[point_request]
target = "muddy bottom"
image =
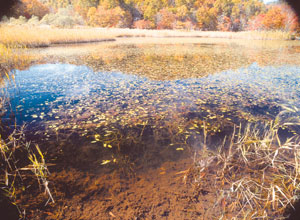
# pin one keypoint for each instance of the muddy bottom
(166, 192)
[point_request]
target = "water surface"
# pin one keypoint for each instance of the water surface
(129, 97)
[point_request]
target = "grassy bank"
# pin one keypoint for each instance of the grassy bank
(256, 174)
(46, 36)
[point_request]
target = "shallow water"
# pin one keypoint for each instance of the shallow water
(46, 91)
(124, 95)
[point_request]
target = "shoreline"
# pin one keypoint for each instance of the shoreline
(40, 36)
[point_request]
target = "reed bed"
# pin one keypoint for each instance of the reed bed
(46, 36)
(256, 176)
(12, 57)
(43, 36)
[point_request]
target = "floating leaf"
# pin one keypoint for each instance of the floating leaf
(105, 162)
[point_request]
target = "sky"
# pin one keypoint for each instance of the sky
(268, 1)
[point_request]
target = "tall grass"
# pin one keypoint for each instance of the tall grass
(18, 159)
(256, 176)
(45, 36)
(40, 36)
(11, 58)
(17, 156)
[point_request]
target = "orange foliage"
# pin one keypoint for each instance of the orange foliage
(256, 23)
(143, 24)
(279, 17)
(224, 24)
(103, 17)
(274, 19)
(29, 8)
(165, 19)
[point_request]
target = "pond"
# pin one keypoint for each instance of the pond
(134, 98)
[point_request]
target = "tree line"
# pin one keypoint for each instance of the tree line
(207, 15)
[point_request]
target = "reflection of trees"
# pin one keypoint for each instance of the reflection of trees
(161, 62)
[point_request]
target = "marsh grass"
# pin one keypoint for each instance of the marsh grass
(45, 36)
(255, 172)
(19, 159)
(270, 35)
(12, 57)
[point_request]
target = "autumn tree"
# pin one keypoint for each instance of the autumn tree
(29, 8)
(291, 19)
(256, 23)
(182, 12)
(104, 17)
(274, 19)
(165, 19)
(82, 6)
(206, 14)
(56, 4)
(92, 18)
(143, 24)
(109, 4)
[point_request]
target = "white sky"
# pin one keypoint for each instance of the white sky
(268, 1)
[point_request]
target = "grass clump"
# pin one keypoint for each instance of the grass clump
(17, 157)
(12, 57)
(256, 173)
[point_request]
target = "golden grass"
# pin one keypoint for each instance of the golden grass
(13, 152)
(12, 58)
(45, 36)
(256, 176)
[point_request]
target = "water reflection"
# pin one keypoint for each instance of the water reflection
(81, 96)
(172, 58)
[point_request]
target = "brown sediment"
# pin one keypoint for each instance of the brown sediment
(165, 192)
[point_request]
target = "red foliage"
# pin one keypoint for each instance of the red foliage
(279, 17)
(143, 24)
(165, 19)
(224, 24)
(256, 23)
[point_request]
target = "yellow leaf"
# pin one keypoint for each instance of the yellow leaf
(105, 162)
